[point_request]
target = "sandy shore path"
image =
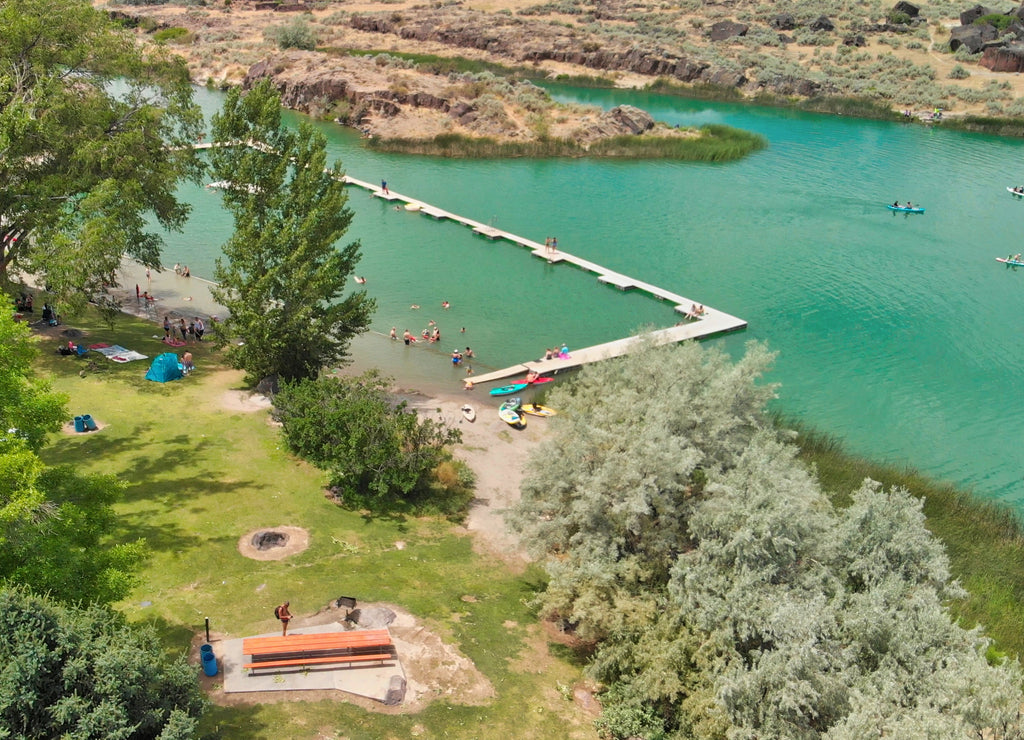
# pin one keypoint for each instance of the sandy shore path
(498, 455)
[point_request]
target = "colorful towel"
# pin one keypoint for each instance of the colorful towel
(174, 342)
(99, 345)
(117, 353)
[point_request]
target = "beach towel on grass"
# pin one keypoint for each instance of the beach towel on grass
(117, 353)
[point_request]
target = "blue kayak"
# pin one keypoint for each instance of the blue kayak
(904, 209)
(506, 390)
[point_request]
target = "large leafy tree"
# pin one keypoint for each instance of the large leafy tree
(376, 450)
(84, 673)
(53, 521)
(283, 277)
(724, 594)
(94, 135)
(29, 409)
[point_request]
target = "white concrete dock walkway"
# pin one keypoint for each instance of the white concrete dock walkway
(711, 323)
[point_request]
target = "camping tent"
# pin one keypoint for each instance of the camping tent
(165, 367)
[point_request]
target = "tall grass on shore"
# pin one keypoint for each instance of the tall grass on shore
(715, 143)
(993, 125)
(984, 540)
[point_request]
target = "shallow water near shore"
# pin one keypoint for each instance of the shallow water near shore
(898, 333)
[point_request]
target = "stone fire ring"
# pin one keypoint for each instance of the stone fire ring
(293, 540)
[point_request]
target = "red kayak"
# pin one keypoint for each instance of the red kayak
(534, 381)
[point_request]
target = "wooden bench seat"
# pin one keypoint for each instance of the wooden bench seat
(317, 661)
(315, 641)
(318, 648)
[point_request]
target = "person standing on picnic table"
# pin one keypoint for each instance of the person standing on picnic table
(284, 615)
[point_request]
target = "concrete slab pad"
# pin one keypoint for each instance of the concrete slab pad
(371, 681)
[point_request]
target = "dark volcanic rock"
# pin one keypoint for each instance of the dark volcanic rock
(909, 8)
(1006, 59)
(782, 22)
(972, 37)
(726, 30)
(972, 14)
(854, 40)
(822, 23)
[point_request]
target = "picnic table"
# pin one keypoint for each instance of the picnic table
(322, 648)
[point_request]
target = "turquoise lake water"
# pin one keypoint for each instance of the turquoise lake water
(898, 333)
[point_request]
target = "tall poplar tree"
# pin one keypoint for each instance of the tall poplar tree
(94, 135)
(282, 278)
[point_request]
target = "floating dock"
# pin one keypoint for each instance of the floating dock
(712, 322)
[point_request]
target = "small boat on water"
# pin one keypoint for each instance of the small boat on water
(508, 413)
(535, 409)
(1010, 262)
(1019, 192)
(507, 390)
(469, 412)
(535, 381)
(904, 209)
(413, 206)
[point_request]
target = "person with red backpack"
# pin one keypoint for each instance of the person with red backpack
(282, 613)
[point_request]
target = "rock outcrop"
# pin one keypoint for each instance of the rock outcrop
(1005, 59)
(726, 30)
(512, 37)
(970, 15)
(972, 37)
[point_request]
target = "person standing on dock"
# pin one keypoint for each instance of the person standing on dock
(384, 187)
(554, 244)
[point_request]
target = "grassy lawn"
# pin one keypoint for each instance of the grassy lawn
(201, 475)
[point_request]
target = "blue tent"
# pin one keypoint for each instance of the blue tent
(165, 367)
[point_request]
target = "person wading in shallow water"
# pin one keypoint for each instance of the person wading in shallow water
(284, 615)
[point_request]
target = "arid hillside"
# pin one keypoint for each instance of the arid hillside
(898, 54)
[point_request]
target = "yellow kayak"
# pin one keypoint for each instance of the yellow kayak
(537, 410)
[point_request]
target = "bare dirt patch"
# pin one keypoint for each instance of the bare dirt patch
(244, 401)
(297, 540)
(433, 669)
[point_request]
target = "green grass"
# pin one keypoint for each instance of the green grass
(434, 63)
(993, 125)
(984, 541)
(202, 475)
(716, 144)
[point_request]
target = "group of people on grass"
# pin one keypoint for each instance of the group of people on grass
(194, 330)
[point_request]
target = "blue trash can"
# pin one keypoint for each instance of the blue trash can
(79, 424)
(90, 425)
(209, 659)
